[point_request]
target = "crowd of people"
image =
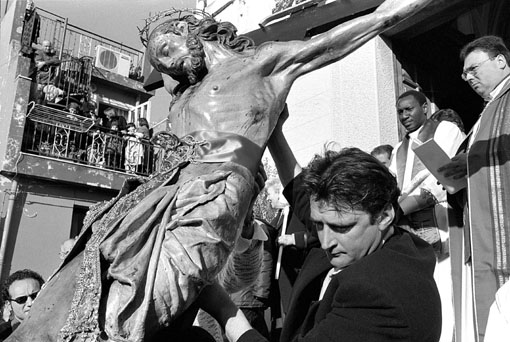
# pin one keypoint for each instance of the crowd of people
(121, 146)
(110, 142)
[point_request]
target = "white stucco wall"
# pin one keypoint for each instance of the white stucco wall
(351, 102)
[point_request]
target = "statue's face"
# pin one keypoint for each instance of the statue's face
(178, 54)
(170, 53)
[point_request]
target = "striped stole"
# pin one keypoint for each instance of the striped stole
(489, 204)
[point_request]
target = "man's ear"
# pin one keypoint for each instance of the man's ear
(386, 217)
(502, 63)
(425, 107)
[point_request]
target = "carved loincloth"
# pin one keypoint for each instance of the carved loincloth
(155, 246)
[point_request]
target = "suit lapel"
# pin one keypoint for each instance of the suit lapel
(306, 290)
(315, 264)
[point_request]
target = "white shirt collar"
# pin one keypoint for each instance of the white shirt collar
(414, 135)
(332, 272)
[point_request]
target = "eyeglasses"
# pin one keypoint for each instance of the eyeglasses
(23, 299)
(473, 69)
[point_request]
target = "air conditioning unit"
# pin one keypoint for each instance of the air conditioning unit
(112, 60)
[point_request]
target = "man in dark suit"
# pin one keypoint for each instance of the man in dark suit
(295, 240)
(370, 281)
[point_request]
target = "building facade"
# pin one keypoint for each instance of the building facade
(55, 164)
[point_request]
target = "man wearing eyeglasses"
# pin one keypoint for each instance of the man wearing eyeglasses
(18, 294)
(484, 163)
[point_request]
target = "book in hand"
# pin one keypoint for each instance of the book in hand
(433, 157)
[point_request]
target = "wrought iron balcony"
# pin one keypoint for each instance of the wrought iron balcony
(54, 133)
(69, 81)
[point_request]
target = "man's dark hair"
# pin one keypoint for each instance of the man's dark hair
(74, 105)
(20, 275)
(110, 109)
(351, 180)
(143, 122)
(420, 97)
(382, 149)
(492, 45)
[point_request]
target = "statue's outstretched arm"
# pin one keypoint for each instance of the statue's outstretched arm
(296, 58)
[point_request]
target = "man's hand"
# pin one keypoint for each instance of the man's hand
(411, 204)
(6, 312)
(457, 169)
(287, 240)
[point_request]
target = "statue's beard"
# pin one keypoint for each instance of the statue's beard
(190, 69)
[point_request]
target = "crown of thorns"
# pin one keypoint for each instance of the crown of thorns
(177, 13)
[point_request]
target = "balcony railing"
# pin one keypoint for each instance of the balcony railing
(67, 82)
(54, 133)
